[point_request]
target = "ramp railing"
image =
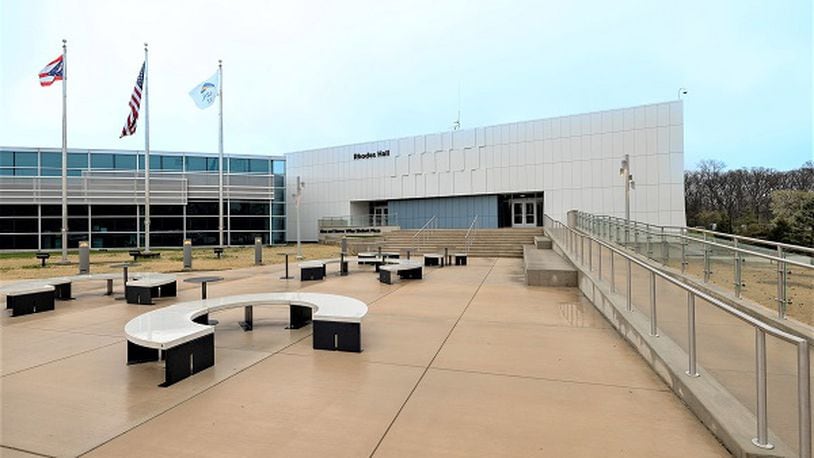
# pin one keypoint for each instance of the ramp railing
(735, 263)
(580, 247)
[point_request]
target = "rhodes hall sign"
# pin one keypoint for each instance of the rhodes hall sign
(371, 155)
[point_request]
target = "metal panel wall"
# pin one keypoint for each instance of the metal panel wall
(452, 212)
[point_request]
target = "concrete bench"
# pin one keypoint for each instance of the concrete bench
(146, 286)
(26, 298)
(370, 257)
(189, 344)
(434, 259)
(143, 254)
(404, 269)
(108, 278)
(460, 258)
(312, 270)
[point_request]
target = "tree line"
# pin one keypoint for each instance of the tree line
(755, 202)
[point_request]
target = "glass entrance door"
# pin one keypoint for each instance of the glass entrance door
(380, 215)
(524, 213)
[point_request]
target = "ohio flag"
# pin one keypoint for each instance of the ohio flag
(54, 71)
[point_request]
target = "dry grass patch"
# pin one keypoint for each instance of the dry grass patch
(15, 266)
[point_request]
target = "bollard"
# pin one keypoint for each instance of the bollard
(258, 251)
(84, 257)
(187, 254)
(343, 245)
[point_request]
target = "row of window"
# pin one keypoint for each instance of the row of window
(27, 163)
(234, 208)
(31, 225)
(54, 241)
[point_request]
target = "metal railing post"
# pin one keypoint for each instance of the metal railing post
(707, 270)
(653, 322)
(629, 286)
(737, 270)
(636, 238)
(647, 238)
(590, 255)
(665, 249)
(599, 260)
(612, 273)
(762, 439)
(691, 349)
(781, 285)
(804, 400)
(684, 243)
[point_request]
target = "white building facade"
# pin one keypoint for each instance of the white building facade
(506, 175)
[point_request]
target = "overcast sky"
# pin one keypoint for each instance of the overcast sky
(306, 74)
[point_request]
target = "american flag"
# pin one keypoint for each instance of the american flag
(135, 103)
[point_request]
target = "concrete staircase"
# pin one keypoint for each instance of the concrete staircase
(507, 242)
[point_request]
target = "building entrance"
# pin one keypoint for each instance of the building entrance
(524, 212)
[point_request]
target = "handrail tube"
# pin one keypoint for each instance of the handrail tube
(761, 328)
(766, 243)
(742, 250)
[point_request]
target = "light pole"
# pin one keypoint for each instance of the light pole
(297, 197)
(624, 171)
(681, 91)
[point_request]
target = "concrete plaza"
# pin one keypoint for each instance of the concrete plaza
(466, 362)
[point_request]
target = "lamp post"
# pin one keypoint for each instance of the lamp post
(624, 171)
(297, 197)
(681, 91)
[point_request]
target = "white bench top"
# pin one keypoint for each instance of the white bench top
(26, 285)
(368, 254)
(402, 265)
(88, 277)
(150, 279)
(173, 325)
(25, 288)
(433, 255)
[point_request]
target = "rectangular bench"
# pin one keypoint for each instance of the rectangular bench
(143, 289)
(434, 259)
(405, 270)
(312, 270)
(460, 259)
(31, 298)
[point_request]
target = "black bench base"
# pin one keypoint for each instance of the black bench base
(145, 294)
(24, 304)
(179, 362)
(335, 335)
(460, 260)
(434, 262)
(312, 273)
(386, 276)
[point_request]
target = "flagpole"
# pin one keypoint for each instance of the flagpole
(64, 152)
(220, 154)
(146, 156)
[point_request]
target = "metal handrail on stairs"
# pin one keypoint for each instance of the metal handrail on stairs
(424, 232)
(467, 241)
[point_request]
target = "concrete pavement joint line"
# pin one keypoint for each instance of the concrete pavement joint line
(72, 332)
(63, 358)
(281, 350)
(9, 447)
(548, 379)
(195, 395)
(426, 369)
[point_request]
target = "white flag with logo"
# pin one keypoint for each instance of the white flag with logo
(204, 94)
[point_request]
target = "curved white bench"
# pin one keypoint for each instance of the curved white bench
(404, 268)
(189, 343)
